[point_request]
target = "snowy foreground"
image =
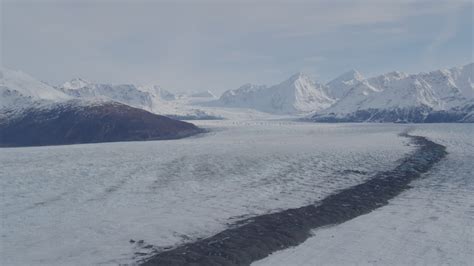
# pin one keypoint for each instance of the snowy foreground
(431, 224)
(82, 204)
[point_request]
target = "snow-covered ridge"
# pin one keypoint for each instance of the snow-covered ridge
(338, 87)
(439, 90)
(397, 96)
(20, 92)
(123, 93)
(18, 89)
(152, 98)
(298, 94)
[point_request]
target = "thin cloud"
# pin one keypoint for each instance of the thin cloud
(218, 44)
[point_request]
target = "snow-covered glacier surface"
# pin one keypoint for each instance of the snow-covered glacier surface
(430, 224)
(82, 204)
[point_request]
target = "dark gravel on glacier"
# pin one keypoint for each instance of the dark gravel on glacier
(255, 238)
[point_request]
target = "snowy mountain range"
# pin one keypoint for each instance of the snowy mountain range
(399, 97)
(338, 87)
(151, 98)
(437, 96)
(19, 89)
(297, 94)
(33, 113)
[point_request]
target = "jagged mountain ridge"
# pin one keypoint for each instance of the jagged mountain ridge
(298, 94)
(391, 97)
(338, 87)
(399, 97)
(152, 98)
(18, 89)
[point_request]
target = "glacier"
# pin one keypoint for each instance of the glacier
(115, 203)
(429, 224)
(88, 201)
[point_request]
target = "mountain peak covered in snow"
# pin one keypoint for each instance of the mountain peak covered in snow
(397, 96)
(76, 83)
(339, 86)
(20, 89)
(393, 93)
(299, 75)
(298, 94)
(152, 98)
(351, 74)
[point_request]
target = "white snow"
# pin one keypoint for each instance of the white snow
(76, 84)
(81, 204)
(430, 224)
(350, 92)
(152, 98)
(439, 90)
(18, 89)
(338, 87)
(298, 94)
(463, 78)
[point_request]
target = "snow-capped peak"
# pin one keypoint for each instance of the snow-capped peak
(339, 86)
(297, 94)
(244, 89)
(18, 88)
(395, 75)
(75, 84)
(463, 78)
(298, 76)
(28, 86)
(158, 92)
(352, 74)
(436, 90)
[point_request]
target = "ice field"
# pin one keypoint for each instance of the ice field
(82, 204)
(430, 224)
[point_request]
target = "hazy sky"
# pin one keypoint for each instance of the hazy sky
(219, 45)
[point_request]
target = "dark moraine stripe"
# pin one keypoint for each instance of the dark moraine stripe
(258, 237)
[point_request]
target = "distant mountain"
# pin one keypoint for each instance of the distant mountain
(438, 96)
(150, 98)
(338, 87)
(158, 92)
(124, 93)
(18, 89)
(298, 94)
(33, 113)
(399, 97)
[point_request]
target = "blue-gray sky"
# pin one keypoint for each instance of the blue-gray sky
(219, 45)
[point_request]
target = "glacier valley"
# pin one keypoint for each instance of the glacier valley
(119, 203)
